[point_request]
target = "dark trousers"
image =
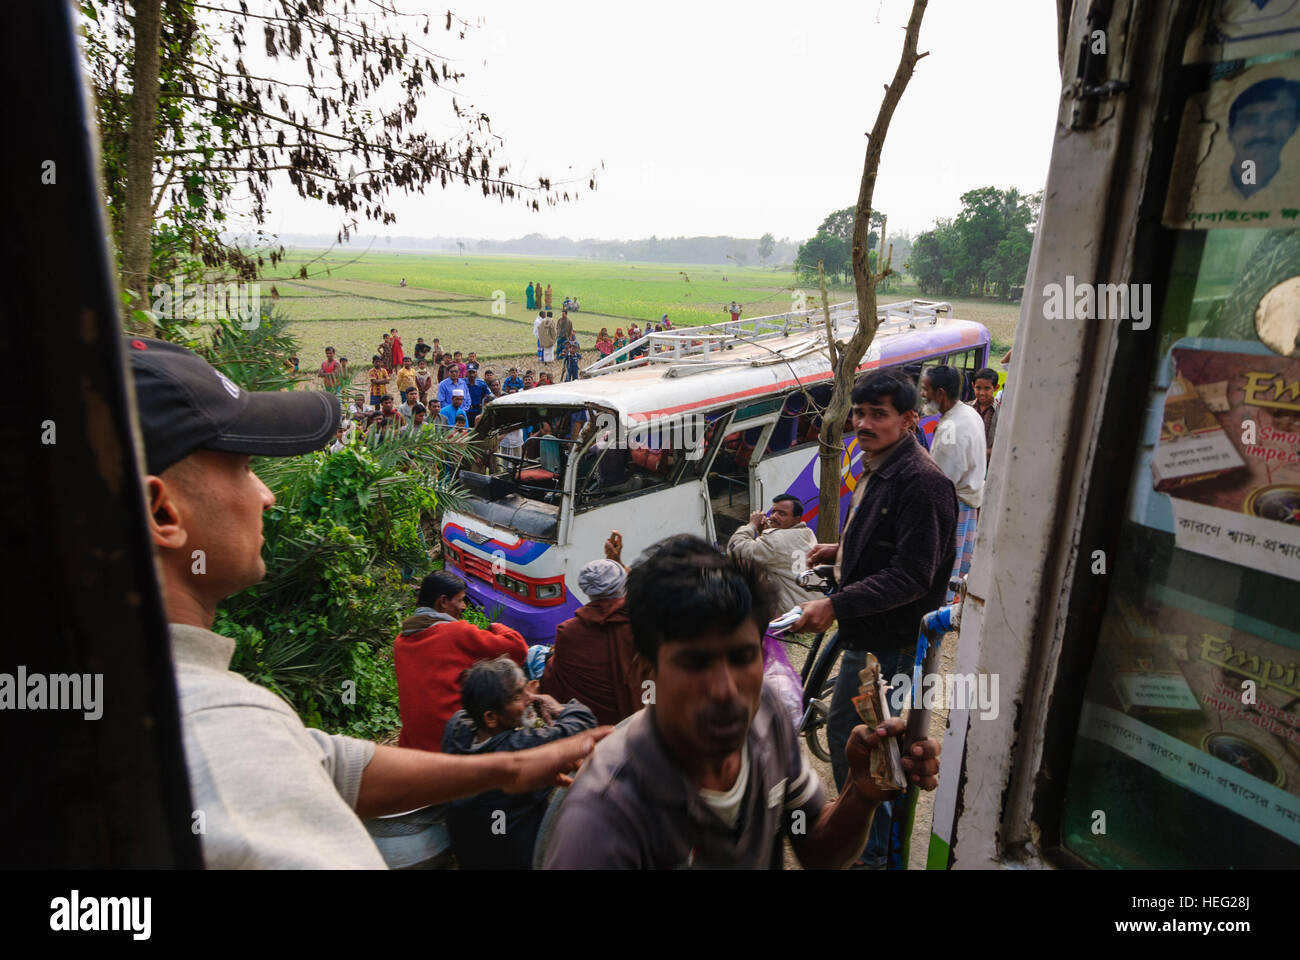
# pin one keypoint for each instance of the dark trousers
(843, 718)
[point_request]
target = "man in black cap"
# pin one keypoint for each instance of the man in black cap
(269, 792)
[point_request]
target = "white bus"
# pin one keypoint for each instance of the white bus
(680, 432)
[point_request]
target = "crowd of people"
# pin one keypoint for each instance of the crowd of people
(432, 387)
(427, 389)
(703, 768)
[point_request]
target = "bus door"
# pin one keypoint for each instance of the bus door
(733, 486)
(645, 487)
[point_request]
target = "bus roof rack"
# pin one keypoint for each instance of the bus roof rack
(696, 349)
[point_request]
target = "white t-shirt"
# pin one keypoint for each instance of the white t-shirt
(959, 449)
(726, 803)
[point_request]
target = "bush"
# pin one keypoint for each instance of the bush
(319, 628)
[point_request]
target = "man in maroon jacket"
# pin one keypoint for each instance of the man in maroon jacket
(433, 649)
(595, 657)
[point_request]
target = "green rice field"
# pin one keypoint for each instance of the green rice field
(478, 303)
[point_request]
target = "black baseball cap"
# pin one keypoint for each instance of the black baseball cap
(186, 404)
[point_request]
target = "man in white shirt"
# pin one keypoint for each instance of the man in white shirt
(267, 791)
(779, 544)
(959, 450)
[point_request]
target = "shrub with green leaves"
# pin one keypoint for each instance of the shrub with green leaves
(319, 628)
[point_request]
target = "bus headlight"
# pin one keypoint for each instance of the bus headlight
(517, 587)
(548, 591)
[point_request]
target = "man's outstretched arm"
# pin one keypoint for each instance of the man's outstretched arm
(840, 832)
(398, 779)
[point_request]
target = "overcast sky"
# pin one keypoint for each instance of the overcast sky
(716, 117)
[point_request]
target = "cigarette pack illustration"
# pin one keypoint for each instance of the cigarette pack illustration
(1231, 466)
(1193, 445)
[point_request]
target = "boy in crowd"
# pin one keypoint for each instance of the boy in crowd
(410, 400)
(331, 374)
(423, 380)
(378, 380)
(405, 377)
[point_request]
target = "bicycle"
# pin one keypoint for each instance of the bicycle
(815, 679)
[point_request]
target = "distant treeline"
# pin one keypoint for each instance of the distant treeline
(724, 251)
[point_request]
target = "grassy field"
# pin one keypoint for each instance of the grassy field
(478, 303)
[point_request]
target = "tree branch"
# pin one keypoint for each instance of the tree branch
(864, 281)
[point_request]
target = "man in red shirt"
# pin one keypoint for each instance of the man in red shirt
(433, 648)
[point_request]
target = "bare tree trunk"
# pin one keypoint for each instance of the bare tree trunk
(864, 281)
(137, 204)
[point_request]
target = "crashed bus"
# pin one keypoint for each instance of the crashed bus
(685, 431)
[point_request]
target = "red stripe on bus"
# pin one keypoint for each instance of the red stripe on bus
(754, 391)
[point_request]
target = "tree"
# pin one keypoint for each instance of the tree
(933, 255)
(984, 250)
(766, 244)
(845, 357)
(823, 248)
(188, 125)
(840, 224)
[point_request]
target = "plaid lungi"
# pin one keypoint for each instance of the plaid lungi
(965, 543)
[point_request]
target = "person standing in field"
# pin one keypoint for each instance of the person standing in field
(564, 331)
(386, 351)
(398, 356)
(423, 380)
(734, 309)
(604, 345)
(548, 298)
(546, 337)
(405, 377)
(378, 381)
(530, 302)
(331, 373)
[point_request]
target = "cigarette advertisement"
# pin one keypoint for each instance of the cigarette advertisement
(1213, 708)
(1228, 456)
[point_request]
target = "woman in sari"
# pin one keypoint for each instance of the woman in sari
(530, 301)
(620, 341)
(604, 345)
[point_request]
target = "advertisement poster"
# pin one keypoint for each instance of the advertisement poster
(1237, 163)
(1232, 29)
(1213, 708)
(1228, 456)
